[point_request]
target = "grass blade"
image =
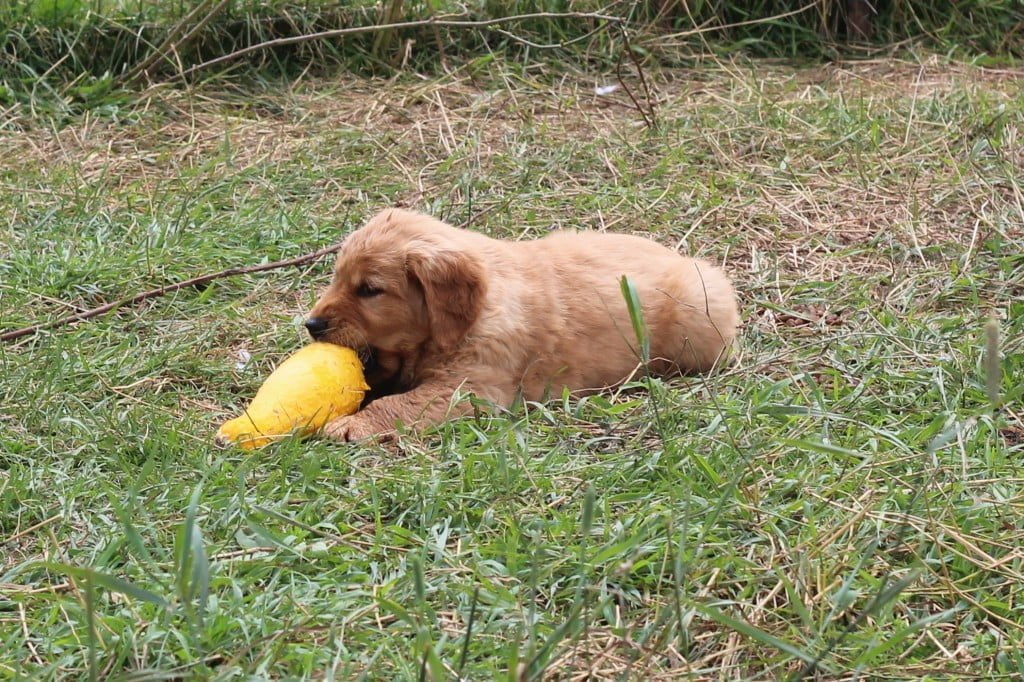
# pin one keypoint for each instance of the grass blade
(105, 580)
(469, 631)
(192, 566)
(993, 372)
(636, 317)
(90, 619)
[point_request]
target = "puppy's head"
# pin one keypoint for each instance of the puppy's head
(403, 285)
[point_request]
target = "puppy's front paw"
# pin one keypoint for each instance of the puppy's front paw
(353, 428)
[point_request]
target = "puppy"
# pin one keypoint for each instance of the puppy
(436, 311)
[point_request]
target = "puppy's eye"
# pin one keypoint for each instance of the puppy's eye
(367, 290)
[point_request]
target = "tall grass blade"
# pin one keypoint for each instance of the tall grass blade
(104, 580)
(993, 372)
(636, 317)
(469, 631)
(90, 620)
(192, 566)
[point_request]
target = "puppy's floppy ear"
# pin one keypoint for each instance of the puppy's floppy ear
(453, 285)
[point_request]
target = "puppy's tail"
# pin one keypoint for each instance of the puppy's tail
(706, 317)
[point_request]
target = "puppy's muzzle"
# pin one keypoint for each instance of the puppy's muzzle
(317, 327)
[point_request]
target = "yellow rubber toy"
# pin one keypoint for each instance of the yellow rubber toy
(318, 383)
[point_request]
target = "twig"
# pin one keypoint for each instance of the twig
(241, 552)
(440, 50)
(433, 21)
(175, 40)
(482, 212)
(57, 587)
(640, 72)
(391, 13)
(25, 633)
(648, 117)
(34, 527)
(551, 46)
(736, 24)
(320, 532)
(160, 291)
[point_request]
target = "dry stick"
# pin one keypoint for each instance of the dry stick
(160, 291)
(736, 24)
(648, 119)
(173, 35)
(391, 12)
(193, 33)
(640, 72)
(440, 50)
(31, 528)
(450, 23)
(550, 46)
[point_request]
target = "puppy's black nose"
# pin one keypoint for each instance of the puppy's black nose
(316, 326)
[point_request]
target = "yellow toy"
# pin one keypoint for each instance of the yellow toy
(318, 383)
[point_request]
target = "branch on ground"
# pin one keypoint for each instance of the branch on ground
(170, 288)
(432, 22)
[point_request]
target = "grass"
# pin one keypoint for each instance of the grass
(63, 57)
(844, 502)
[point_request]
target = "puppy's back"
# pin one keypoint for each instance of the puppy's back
(689, 305)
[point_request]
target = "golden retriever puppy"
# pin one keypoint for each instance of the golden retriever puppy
(436, 311)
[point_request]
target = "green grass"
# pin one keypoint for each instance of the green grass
(845, 493)
(65, 57)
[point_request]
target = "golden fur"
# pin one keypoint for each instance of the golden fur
(437, 311)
